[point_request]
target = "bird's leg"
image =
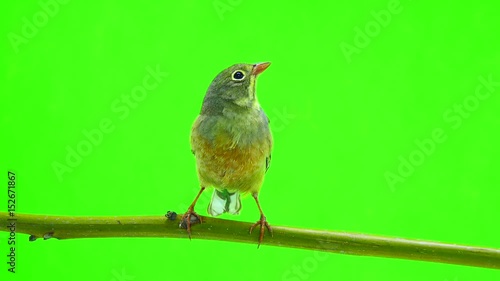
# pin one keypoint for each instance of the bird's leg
(187, 219)
(262, 222)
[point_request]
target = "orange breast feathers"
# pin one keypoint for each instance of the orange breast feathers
(231, 155)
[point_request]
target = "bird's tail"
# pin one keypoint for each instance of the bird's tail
(224, 201)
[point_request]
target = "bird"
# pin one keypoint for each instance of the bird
(232, 142)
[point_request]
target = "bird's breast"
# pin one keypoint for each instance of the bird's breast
(231, 153)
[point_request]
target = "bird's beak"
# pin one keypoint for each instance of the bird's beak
(258, 68)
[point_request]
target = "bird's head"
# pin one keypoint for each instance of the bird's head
(236, 85)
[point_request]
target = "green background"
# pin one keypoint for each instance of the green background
(341, 123)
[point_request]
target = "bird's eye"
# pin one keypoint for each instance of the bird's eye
(238, 75)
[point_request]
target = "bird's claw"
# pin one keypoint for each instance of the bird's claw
(189, 218)
(263, 223)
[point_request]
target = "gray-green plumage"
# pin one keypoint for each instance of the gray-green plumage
(231, 138)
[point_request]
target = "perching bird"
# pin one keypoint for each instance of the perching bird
(232, 143)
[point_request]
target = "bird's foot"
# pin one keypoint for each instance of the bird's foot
(263, 223)
(189, 218)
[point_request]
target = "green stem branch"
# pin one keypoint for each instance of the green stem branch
(65, 227)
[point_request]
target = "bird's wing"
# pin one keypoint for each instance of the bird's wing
(270, 140)
(195, 134)
(268, 162)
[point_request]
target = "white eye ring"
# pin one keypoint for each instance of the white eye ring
(238, 75)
